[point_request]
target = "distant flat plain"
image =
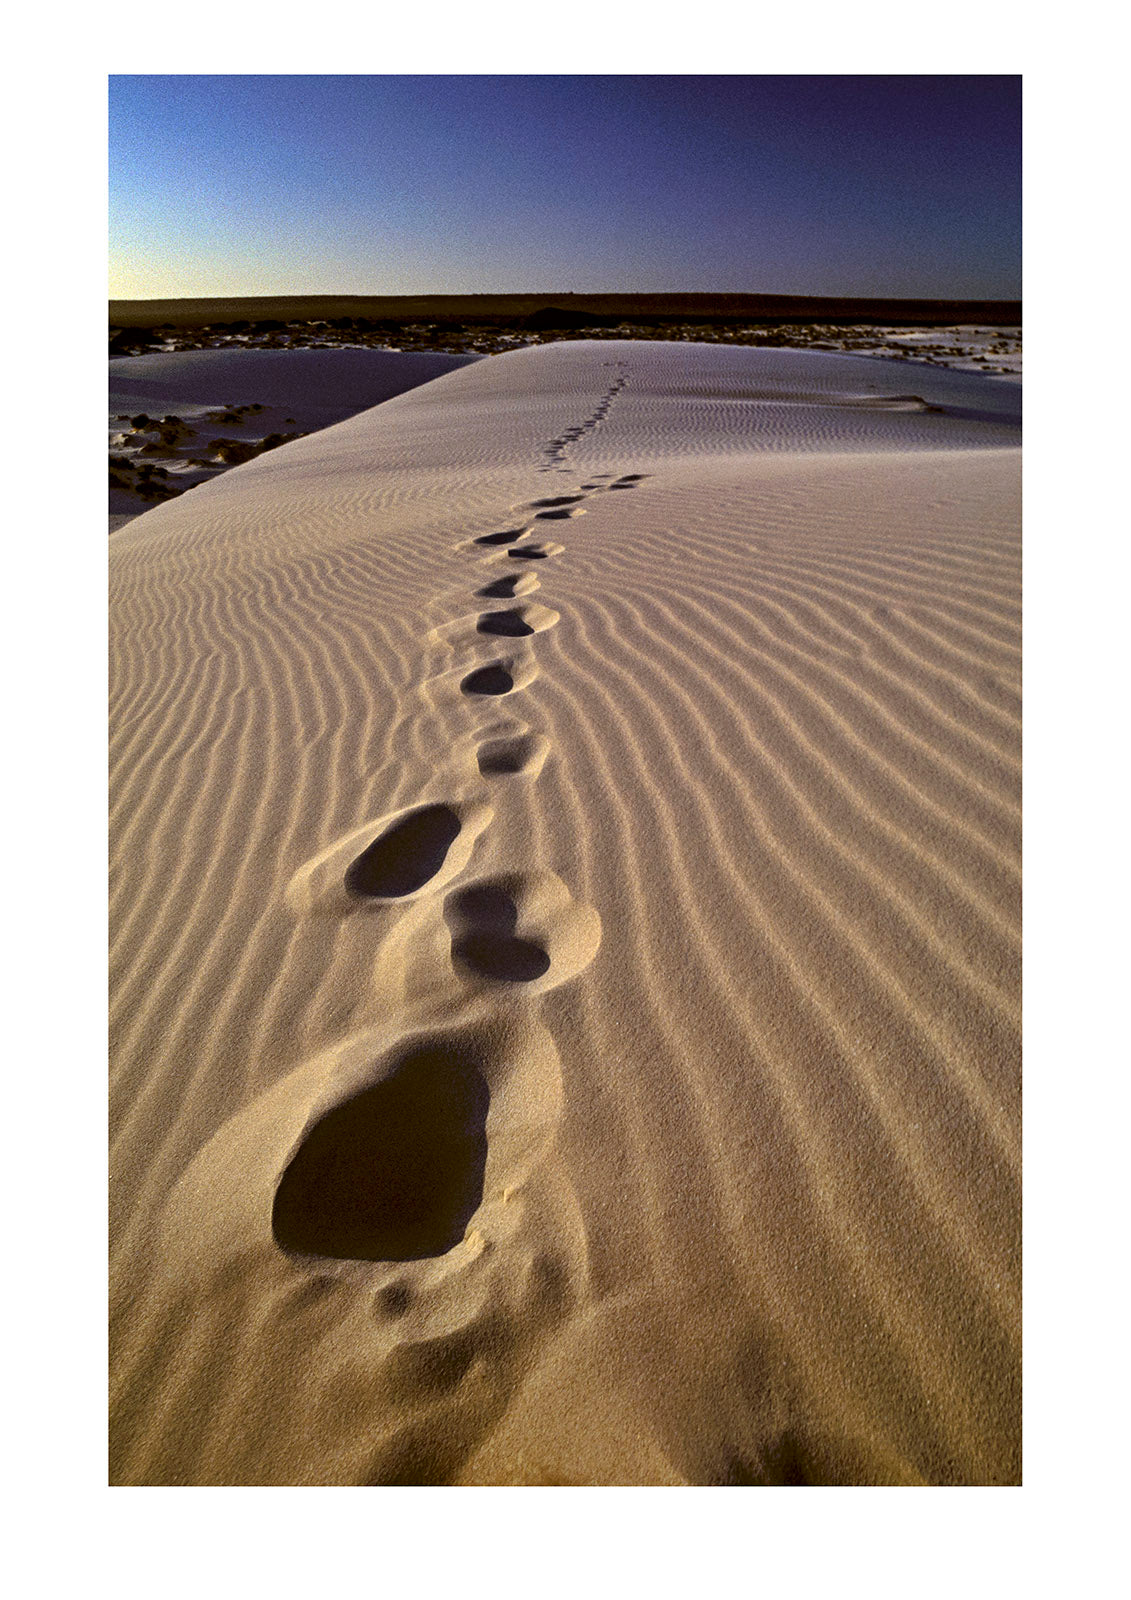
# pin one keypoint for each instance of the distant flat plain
(189, 313)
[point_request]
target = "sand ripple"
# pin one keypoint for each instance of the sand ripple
(566, 968)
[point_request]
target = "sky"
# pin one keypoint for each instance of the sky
(288, 184)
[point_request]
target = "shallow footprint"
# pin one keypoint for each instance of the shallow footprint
(404, 857)
(525, 753)
(394, 1173)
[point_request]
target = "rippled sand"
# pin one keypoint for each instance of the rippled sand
(565, 972)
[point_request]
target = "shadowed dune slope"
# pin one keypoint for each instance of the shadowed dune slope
(567, 1031)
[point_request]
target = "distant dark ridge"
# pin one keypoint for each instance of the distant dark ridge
(373, 313)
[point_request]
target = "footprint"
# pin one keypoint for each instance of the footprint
(495, 679)
(391, 859)
(556, 500)
(502, 676)
(517, 621)
(508, 623)
(510, 587)
(508, 536)
(535, 552)
(409, 1146)
(395, 1173)
(406, 856)
(483, 920)
(525, 753)
(559, 516)
(520, 928)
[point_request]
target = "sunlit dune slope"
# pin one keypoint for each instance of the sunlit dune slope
(565, 910)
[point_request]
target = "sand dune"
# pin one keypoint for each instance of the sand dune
(565, 969)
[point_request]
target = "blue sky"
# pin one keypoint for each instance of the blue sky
(461, 185)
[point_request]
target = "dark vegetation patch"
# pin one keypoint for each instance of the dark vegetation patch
(481, 324)
(232, 452)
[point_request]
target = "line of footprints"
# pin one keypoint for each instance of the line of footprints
(434, 1126)
(555, 451)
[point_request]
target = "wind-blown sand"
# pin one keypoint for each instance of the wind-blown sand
(565, 1004)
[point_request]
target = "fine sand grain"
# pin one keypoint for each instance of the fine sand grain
(565, 971)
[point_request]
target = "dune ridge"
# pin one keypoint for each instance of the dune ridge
(669, 920)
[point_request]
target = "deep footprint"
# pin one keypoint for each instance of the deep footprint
(558, 500)
(482, 920)
(488, 680)
(506, 537)
(510, 624)
(405, 856)
(395, 1173)
(532, 553)
(507, 588)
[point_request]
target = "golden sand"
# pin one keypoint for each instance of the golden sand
(565, 971)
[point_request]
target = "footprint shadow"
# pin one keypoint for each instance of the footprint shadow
(520, 927)
(406, 856)
(389, 860)
(492, 680)
(510, 587)
(508, 536)
(504, 757)
(510, 624)
(534, 551)
(395, 1172)
(482, 920)
(517, 622)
